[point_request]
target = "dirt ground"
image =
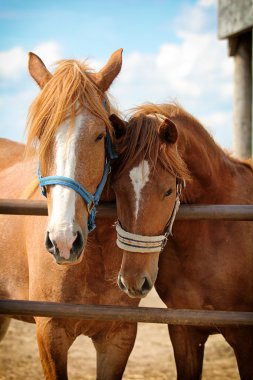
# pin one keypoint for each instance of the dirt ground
(151, 358)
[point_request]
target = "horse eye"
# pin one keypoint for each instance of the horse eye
(99, 137)
(168, 192)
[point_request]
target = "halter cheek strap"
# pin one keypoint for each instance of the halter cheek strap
(180, 184)
(90, 200)
(139, 243)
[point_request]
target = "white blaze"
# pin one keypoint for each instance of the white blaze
(139, 177)
(63, 198)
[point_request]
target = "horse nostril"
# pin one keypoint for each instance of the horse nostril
(78, 243)
(49, 244)
(120, 283)
(146, 286)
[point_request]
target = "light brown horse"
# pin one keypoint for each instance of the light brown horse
(69, 124)
(205, 264)
(11, 152)
(71, 142)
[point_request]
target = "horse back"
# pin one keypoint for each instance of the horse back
(11, 152)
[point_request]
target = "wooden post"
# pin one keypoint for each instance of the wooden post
(243, 97)
(235, 19)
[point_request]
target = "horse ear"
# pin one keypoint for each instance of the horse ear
(38, 70)
(168, 132)
(108, 73)
(119, 126)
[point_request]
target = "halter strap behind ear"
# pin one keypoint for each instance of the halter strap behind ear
(180, 184)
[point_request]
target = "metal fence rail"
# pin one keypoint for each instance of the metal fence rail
(127, 314)
(108, 210)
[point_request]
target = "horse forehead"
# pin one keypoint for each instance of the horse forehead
(85, 123)
(139, 175)
(90, 123)
(62, 133)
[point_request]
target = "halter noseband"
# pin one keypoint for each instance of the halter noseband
(145, 244)
(90, 200)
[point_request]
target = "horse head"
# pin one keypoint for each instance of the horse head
(147, 183)
(69, 123)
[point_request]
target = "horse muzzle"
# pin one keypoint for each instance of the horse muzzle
(135, 287)
(138, 273)
(66, 247)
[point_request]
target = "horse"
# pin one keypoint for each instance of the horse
(204, 264)
(11, 152)
(69, 127)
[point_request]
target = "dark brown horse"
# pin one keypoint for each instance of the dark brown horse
(205, 264)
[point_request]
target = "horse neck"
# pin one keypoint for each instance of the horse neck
(211, 169)
(108, 194)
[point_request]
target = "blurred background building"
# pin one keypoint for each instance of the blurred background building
(235, 24)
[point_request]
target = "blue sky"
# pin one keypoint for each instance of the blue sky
(171, 52)
(94, 25)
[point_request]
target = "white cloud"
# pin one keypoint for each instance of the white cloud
(198, 62)
(14, 109)
(49, 52)
(219, 124)
(12, 63)
(207, 3)
(17, 89)
(197, 66)
(218, 118)
(195, 71)
(199, 18)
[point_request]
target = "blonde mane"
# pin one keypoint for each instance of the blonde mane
(69, 90)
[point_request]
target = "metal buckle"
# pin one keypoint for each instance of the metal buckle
(90, 206)
(180, 186)
(43, 191)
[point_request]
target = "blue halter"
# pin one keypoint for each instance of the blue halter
(90, 200)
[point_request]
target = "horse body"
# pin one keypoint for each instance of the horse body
(209, 264)
(14, 277)
(205, 264)
(28, 270)
(89, 282)
(10, 152)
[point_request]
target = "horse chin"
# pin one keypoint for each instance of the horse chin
(136, 294)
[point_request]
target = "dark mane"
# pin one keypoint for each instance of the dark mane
(142, 141)
(190, 126)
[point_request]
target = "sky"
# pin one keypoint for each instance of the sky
(171, 53)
